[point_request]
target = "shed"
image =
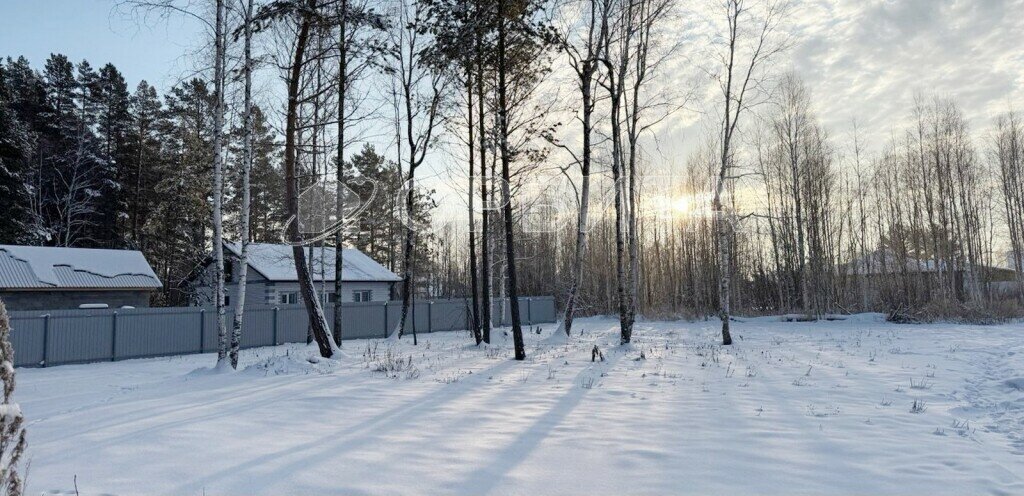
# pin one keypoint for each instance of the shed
(52, 278)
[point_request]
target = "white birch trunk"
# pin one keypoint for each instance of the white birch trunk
(218, 185)
(243, 262)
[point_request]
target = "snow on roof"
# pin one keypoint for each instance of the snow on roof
(1011, 263)
(275, 262)
(41, 267)
(886, 262)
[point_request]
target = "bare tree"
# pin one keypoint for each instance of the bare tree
(583, 56)
(247, 161)
(741, 72)
(421, 90)
(219, 64)
(1009, 155)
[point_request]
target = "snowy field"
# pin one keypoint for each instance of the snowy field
(792, 408)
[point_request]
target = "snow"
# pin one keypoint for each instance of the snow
(276, 263)
(791, 408)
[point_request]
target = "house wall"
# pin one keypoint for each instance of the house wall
(259, 291)
(380, 291)
(57, 300)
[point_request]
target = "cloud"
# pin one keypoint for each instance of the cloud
(865, 60)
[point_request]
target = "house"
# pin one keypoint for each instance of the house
(50, 278)
(271, 278)
(881, 266)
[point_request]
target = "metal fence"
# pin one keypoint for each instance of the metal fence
(55, 337)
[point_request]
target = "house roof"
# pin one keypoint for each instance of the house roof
(275, 262)
(887, 262)
(44, 267)
(881, 262)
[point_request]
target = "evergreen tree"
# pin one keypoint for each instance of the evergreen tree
(378, 231)
(141, 170)
(176, 234)
(110, 101)
(15, 143)
(267, 209)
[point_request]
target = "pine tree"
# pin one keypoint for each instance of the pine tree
(15, 144)
(110, 103)
(140, 173)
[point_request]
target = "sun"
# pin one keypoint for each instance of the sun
(681, 206)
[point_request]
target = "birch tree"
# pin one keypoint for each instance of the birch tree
(582, 53)
(750, 42)
(219, 64)
(1008, 152)
(247, 161)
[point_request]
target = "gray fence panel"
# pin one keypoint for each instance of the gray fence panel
(524, 311)
(394, 315)
(293, 324)
(27, 338)
(208, 325)
(362, 320)
(74, 336)
(543, 310)
(258, 327)
(84, 338)
(449, 315)
(148, 333)
(421, 316)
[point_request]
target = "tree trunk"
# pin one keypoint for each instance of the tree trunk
(218, 185)
(407, 247)
(314, 312)
(485, 256)
(473, 269)
(510, 252)
(586, 77)
(339, 236)
(247, 158)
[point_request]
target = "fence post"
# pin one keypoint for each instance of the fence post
(529, 311)
(430, 316)
(385, 319)
(275, 327)
(202, 330)
(46, 339)
(113, 338)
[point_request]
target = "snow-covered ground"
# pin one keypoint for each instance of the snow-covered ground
(791, 408)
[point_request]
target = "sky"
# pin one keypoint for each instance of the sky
(863, 60)
(99, 31)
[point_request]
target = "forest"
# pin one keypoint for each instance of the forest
(521, 135)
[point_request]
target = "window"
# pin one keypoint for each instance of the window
(288, 298)
(332, 298)
(229, 270)
(362, 295)
(227, 300)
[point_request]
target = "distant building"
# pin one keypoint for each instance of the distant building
(1013, 260)
(49, 278)
(271, 278)
(881, 266)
